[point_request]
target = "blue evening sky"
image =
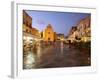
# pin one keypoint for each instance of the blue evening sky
(60, 21)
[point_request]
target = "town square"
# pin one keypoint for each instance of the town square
(56, 39)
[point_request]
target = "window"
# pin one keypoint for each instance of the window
(26, 23)
(23, 21)
(48, 32)
(30, 25)
(26, 30)
(48, 38)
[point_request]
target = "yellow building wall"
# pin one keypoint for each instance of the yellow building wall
(32, 31)
(48, 34)
(35, 32)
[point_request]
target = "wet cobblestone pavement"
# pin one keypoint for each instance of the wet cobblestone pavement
(60, 55)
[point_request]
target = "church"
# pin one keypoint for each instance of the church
(48, 33)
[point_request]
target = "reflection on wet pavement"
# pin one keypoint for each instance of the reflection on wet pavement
(57, 55)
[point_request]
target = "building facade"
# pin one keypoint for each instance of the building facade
(72, 34)
(60, 36)
(84, 29)
(28, 30)
(82, 32)
(27, 22)
(35, 32)
(48, 33)
(55, 36)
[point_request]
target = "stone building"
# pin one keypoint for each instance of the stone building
(27, 22)
(72, 30)
(48, 33)
(72, 34)
(84, 29)
(27, 26)
(55, 36)
(60, 36)
(35, 32)
(82, 32)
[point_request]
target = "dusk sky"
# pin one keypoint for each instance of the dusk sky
(60, 21)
